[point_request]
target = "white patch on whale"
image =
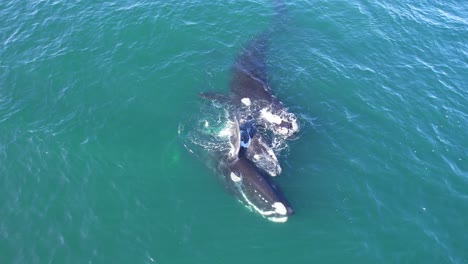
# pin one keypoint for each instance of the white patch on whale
(272, 154)
(280, 208)
(278, 118)
(270, 117)
(270, 215)
(246, 101)
(235, 178)
(245, 144)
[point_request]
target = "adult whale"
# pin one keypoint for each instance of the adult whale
(249, 87)
(251, 93)
(250, 96)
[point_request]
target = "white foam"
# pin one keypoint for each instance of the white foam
(225, 132)
(295, 125)
(283, 131)
(270, 117)
(282, 219)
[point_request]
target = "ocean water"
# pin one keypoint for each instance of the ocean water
(92, 169)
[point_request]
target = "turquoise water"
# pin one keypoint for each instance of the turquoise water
(92, 169)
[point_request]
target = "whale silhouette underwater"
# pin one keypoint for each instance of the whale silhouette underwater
(258, 122)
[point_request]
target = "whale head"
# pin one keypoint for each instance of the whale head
(262, 154)
(280, 121)
(257, 191)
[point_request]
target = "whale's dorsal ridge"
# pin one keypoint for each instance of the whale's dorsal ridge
(248, 73)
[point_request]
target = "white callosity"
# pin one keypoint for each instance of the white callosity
(280, 208)
(270, 117)
(235, 178)
(246, 101)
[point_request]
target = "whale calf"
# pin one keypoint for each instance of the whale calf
(250, 184)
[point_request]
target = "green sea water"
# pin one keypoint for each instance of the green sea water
(93, 170)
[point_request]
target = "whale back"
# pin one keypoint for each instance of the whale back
(249, 78)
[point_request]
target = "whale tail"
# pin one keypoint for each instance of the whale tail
(249, 78)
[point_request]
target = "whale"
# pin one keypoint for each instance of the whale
(252, 186)
(260, 147)
(251, 96)
(257, 191)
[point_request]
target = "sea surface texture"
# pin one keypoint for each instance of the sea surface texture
(93, 168)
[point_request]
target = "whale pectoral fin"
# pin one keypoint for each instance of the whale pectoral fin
(236, 137)
(216, 97)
